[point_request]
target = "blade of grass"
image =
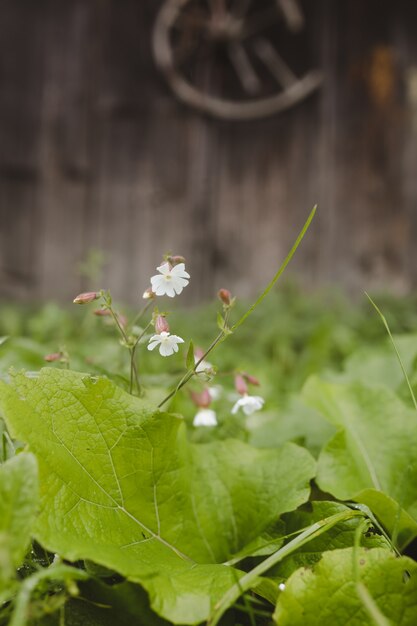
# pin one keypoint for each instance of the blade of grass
(387, 328)
(280, 271)
(364, 595)
(249, 579)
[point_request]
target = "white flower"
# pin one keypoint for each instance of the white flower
(248, 404)
(170, 280)
(205, 417)
(168, 344)
(215, 392)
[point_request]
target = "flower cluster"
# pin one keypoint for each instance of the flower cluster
(170, 281)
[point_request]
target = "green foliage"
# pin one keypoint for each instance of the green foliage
(18, 506)
(161, 522)
(328, 594)
(121, 486)
(370, 459)
(340, 536)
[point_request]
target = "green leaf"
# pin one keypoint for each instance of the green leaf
(296, 422)
(340, 536)
(121, 486)
(373, 457)
(328, 595)
(379, 366)
(190, 361)
(18, 504)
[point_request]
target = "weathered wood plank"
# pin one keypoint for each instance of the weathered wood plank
(95, 152)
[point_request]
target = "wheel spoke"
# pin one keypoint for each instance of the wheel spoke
(244, 69)
(292, 14)
(274, 62)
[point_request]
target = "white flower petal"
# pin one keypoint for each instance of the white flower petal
(177, 339)
(179, 271)
(248, 404)
(215, 392)
(169, 290)
(164, 268)
(153, 345)
(205, 417)
(158, 285)
(165, 349)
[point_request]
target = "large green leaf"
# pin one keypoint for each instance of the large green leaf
(373, 457)
(328, 595)
(120, 485)
(18, 504)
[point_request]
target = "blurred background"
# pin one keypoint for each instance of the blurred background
(206, 128)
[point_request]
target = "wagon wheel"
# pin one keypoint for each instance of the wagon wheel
(221, 56)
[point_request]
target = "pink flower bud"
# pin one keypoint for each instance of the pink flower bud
(251, 379)
(148, 294)
(102, 312)
(175, 260)
(225, 296)
(161, 324)
(55, 356)
(240, 385)
(202, 399)
(198, 353)
(85, 298)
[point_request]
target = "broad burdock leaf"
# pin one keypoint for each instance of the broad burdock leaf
(122, 486)
(373, 457)
(328, 594)
(18, 506)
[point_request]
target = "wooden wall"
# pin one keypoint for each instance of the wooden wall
(95, 152)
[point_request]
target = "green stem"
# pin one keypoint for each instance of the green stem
(249, 579)
(142, 312)
(280, 271)
(55, 572)
(222, 336)
(133, 368)
(190, 373)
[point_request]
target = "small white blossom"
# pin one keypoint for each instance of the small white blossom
(168, 344)
(205, 417)
(170, 280)
(215, 392)
(248, 404)
(281, 586)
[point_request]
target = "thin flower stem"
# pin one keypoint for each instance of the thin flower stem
(119, 326)
(188, 375)
(142, 312)
(280, 271)
(226, 331)
(133, 367)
